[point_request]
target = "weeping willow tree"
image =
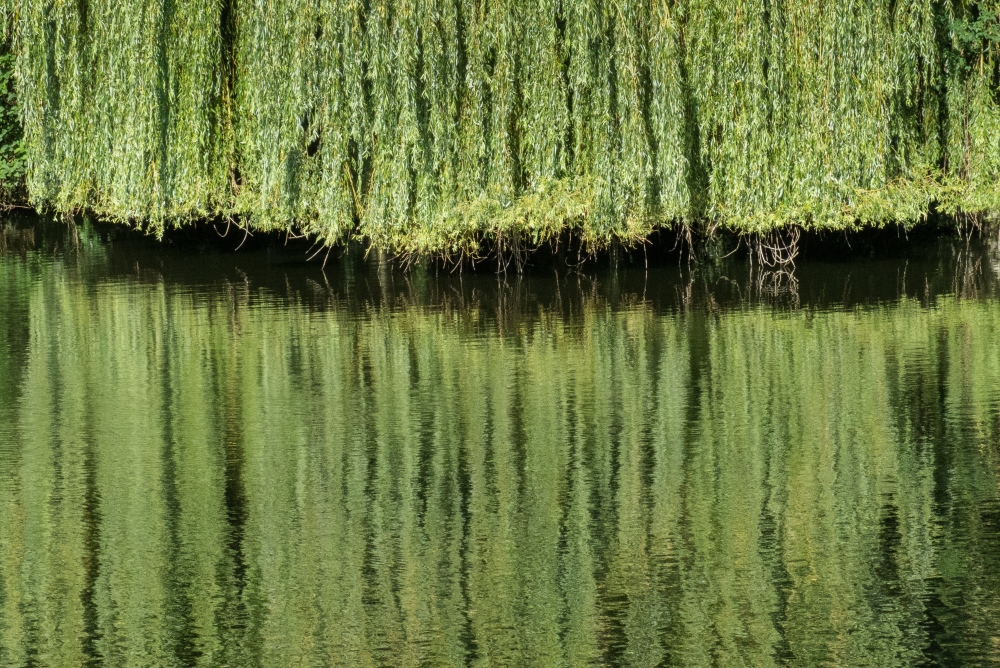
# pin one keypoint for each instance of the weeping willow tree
(436, 125)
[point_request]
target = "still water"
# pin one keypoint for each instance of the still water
(222, 459)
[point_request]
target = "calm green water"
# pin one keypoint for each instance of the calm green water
(238, 460)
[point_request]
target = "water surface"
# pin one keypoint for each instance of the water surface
(244, 460)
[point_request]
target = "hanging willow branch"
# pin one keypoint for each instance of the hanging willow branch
(436, 125)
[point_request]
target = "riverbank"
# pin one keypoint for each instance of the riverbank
(837, 270)
(667, 247)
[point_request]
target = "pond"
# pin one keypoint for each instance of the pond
(244, 459)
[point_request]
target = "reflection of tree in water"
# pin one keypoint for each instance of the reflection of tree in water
(778, 285)
(408, 483)
(16, 240)
(976, 269)
(994, 246)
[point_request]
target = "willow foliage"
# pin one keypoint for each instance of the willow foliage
(12, 163)
(431, 125)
